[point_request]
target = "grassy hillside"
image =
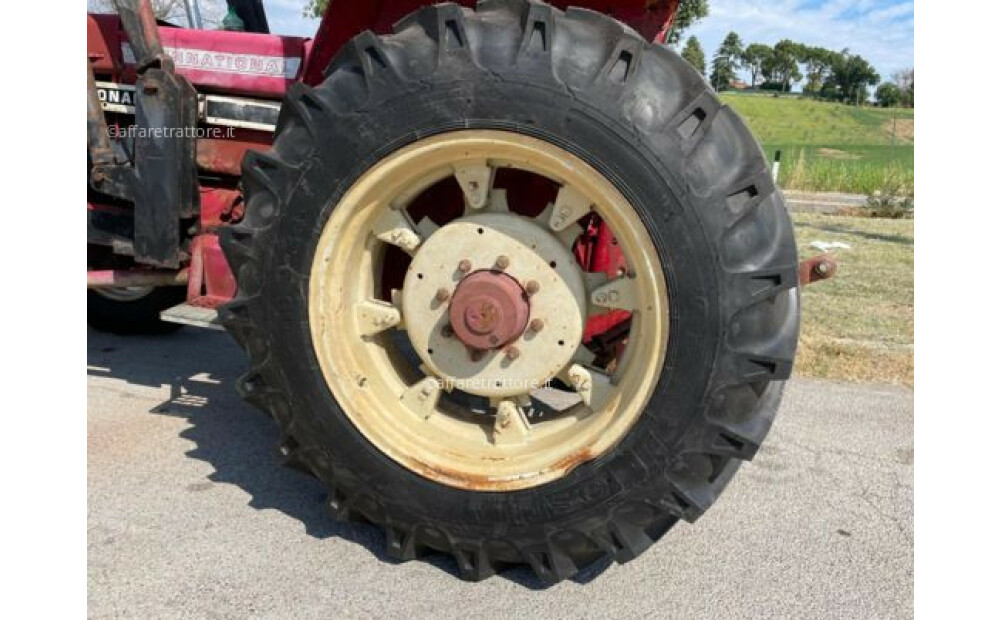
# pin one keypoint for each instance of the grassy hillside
(831, 146)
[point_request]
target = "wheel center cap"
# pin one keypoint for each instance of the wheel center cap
(483, 315)
(488, 310)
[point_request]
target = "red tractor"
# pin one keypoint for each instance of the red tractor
(513, 283)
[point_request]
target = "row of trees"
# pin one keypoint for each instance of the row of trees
(898, 92)
(826, 74)
(174, 11)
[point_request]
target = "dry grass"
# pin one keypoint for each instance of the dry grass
(859, 325)
(837, 154)
(900, 129)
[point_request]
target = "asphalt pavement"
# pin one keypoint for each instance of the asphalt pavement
(190, 515)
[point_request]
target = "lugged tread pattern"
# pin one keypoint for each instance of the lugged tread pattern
(720, 180)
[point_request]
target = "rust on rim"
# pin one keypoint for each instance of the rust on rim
(493, 305)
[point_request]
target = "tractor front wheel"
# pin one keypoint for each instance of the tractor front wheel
(133, 310)
(421, 309)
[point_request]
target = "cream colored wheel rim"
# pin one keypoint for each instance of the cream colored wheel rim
(413, 409)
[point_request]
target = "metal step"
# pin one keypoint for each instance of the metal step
(186, 314)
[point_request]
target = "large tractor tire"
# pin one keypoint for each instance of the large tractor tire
(134, 310)
(398, 342)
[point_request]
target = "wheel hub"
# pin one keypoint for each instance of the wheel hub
(471, 291)
(396, 365)
(488, 310)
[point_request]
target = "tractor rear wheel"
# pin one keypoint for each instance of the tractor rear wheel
(416, 299)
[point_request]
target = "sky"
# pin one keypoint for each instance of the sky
(879, 30)
(285, 17)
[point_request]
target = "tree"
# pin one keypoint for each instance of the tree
(904, 80)
(689, 12)
(172, 11)
(888, 95)
(694, 54)
(726, 61)
(818, 63)
(782, 65)
(315, 8)
(852, 75)
(754, 57)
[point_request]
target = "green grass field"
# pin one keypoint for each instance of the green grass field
(859, 325)
(831, 146)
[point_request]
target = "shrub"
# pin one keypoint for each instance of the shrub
(894, 200)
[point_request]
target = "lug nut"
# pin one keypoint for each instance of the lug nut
(442, 294)
(476, 354)
(512, 352)
(464, 265)
(502, 262)
(447, 330)
(532, 287)
(536, 325)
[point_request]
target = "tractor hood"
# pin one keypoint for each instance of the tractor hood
(259, 65)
